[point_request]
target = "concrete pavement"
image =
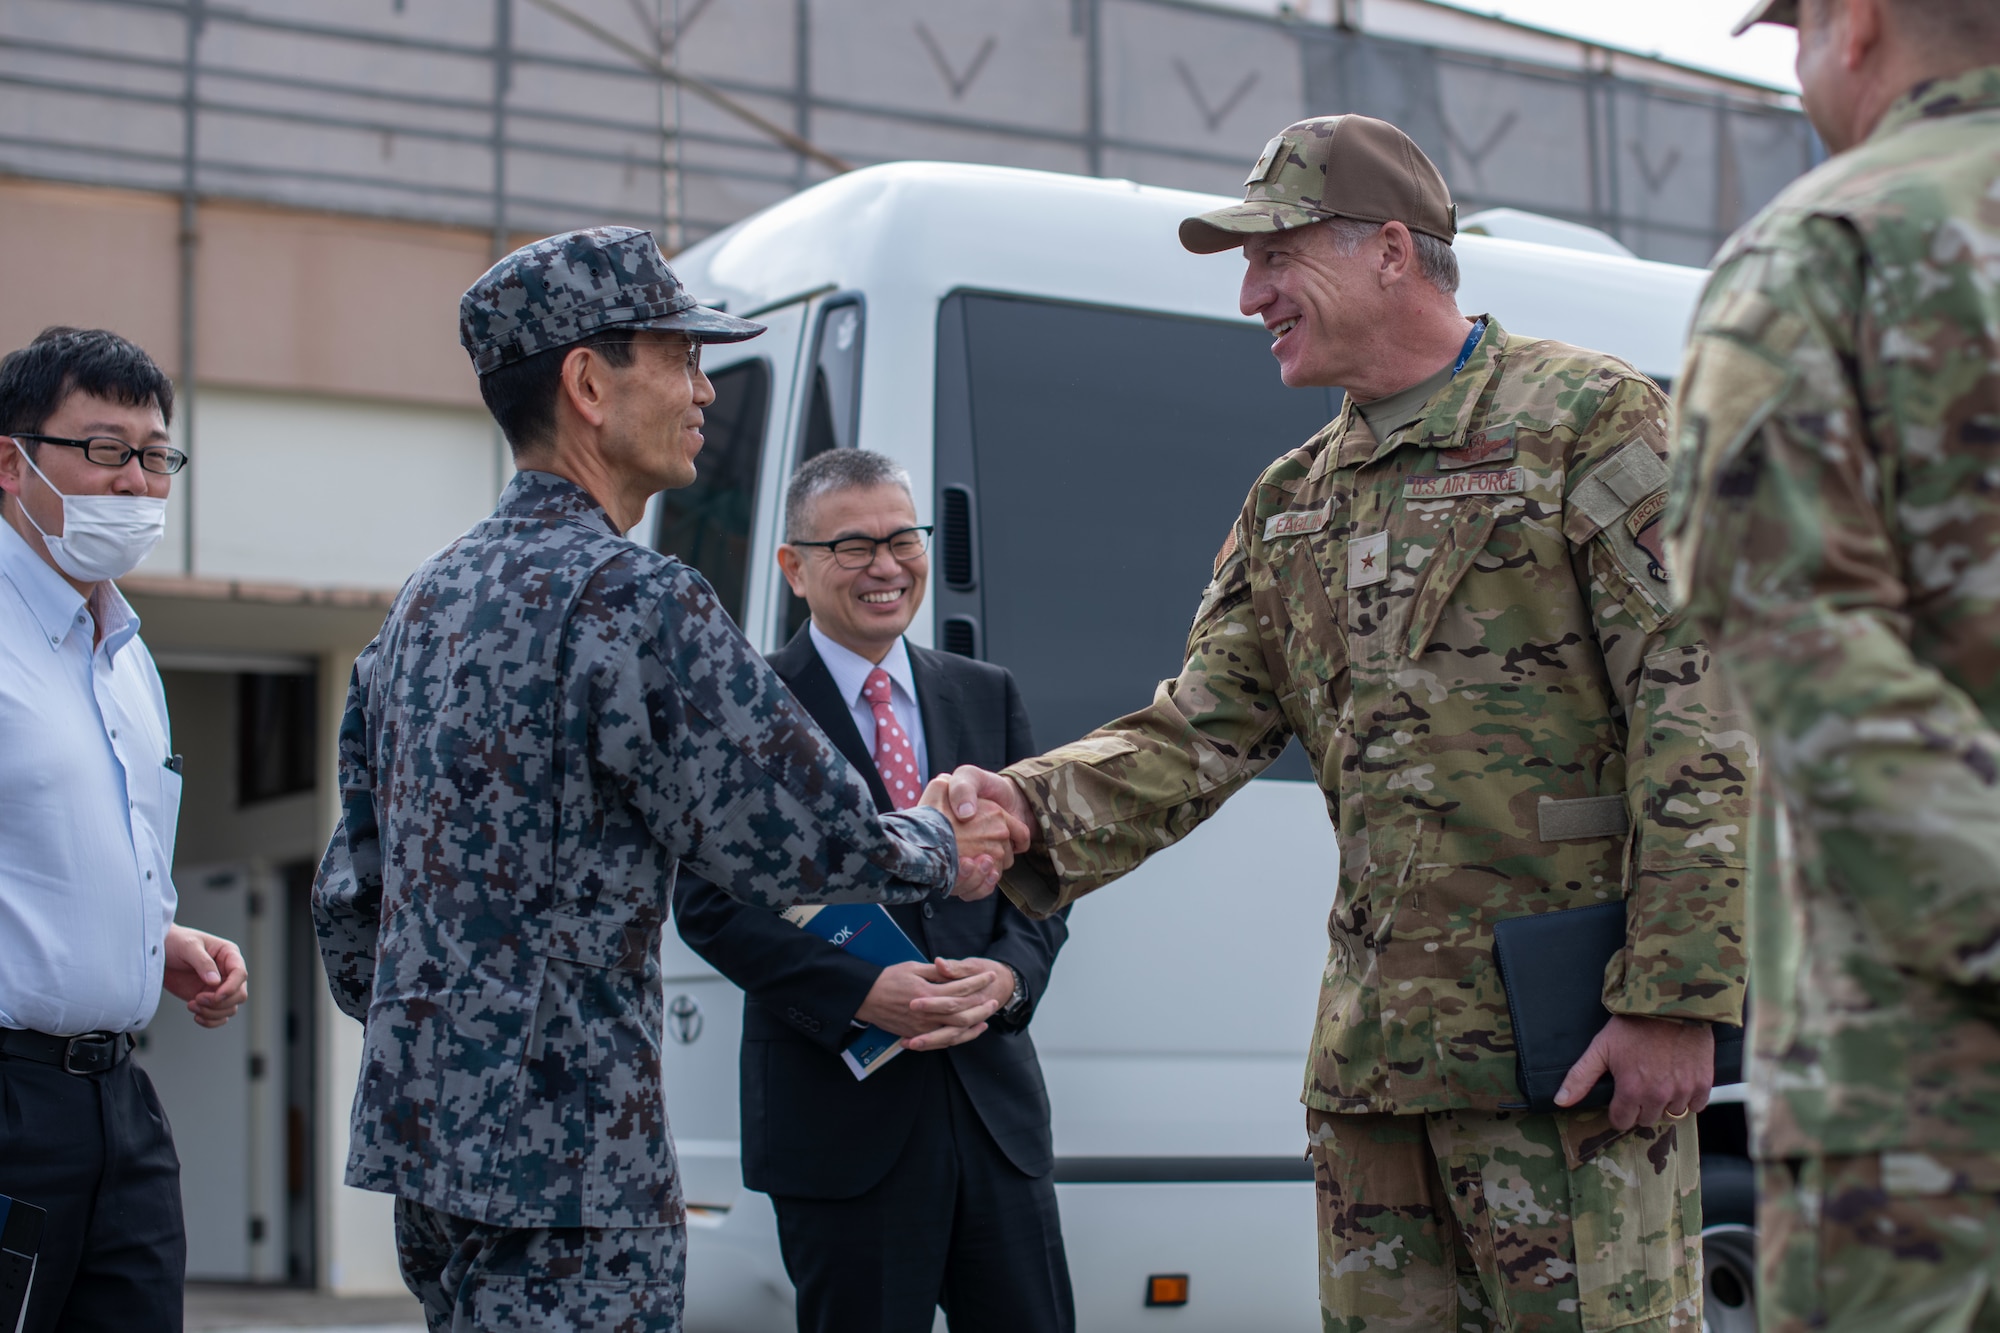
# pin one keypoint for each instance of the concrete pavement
(216, 1306)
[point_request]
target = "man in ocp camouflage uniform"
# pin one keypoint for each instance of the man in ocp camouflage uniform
(1453, 597)
(1836, 524)
(551, 718)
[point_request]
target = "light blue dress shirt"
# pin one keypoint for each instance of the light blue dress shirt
(850, 669)
(87, 806)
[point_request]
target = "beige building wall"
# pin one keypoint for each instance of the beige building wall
(291, 301)
(315, 303)
(92, 258)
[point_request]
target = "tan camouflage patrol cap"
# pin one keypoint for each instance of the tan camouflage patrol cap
(1768, 11)
(1331, 167)
(561, 289)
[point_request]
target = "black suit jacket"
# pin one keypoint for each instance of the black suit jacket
(810, 1129)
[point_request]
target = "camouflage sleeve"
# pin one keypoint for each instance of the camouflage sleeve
(700, 737)
(1105, 803)
(347, 893)
(1687, 761)
(1839, 513)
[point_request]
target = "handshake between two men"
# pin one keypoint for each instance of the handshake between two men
(948, 1001)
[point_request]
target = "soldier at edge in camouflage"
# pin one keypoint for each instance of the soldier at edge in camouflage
(552, 718)
(1454, 599)
(1835, 523)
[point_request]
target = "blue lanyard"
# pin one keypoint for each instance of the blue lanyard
(1471, 341)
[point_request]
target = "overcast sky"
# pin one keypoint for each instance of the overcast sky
(1695, 32)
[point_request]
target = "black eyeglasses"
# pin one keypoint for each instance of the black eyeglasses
(906, 544)
(693, 355)
(106, 451)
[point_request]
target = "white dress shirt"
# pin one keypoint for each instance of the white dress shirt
(850, 669)
(87, 806)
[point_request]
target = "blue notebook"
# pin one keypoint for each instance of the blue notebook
(865, 930)
(20, 1241)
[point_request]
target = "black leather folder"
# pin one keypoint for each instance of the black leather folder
(1552, 966)
(20, 1240)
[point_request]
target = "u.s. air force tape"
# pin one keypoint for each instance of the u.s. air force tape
(1445, 485)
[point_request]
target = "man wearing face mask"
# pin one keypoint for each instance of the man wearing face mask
(89, 794)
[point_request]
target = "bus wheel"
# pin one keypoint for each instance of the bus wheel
(1729, 1279)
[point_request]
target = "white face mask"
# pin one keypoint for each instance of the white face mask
(103, 536)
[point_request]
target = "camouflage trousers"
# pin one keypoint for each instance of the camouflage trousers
(474, 1277)
(1505, 1222)
(1901, 1242)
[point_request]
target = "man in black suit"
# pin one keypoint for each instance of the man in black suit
(931, 1183)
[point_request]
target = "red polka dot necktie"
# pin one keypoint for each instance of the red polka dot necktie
(895, 757)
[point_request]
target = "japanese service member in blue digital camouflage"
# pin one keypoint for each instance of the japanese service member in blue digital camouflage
(552, 719)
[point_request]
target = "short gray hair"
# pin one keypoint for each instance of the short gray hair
(837, 470)
(1436, 260)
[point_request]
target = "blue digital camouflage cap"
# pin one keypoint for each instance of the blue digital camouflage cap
(561, 289)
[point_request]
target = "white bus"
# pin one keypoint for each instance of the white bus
(1082, 409)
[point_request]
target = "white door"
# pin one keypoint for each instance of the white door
(220, 1086)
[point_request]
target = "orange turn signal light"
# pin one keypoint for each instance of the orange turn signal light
(1167, 1289)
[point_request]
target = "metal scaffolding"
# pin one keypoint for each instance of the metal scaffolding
(687, 115)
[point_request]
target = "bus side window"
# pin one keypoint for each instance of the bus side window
(707, 525)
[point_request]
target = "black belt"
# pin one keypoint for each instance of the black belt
(91, 1053)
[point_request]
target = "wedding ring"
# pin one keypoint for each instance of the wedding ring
(1678, 1115)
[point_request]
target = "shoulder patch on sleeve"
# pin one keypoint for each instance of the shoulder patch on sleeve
(1228, 549)
(1649, 534)
(1645, 512)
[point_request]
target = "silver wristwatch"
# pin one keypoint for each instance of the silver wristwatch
(1017, 1003)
